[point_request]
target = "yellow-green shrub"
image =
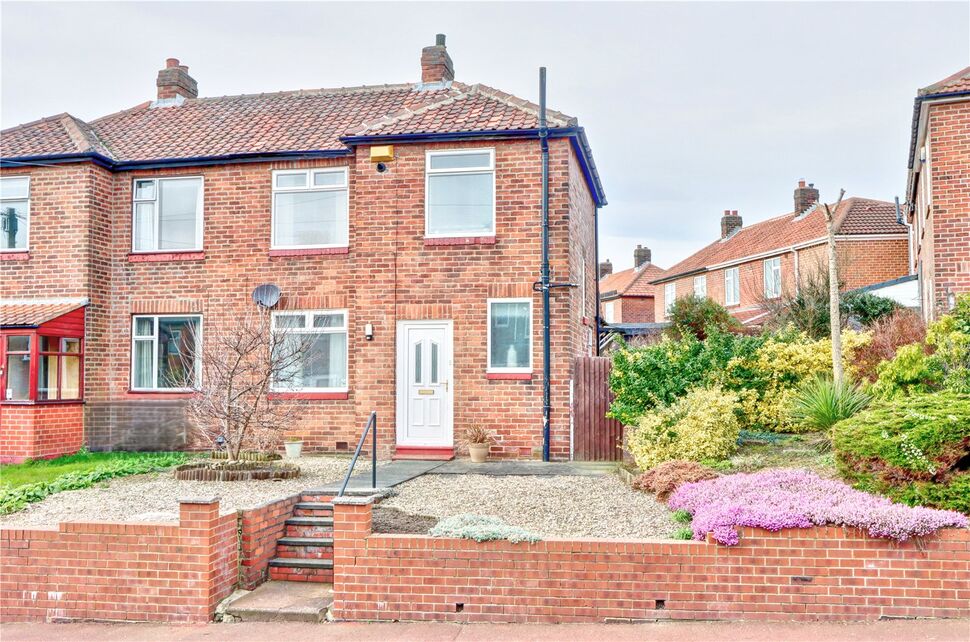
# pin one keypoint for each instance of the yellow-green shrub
(701, 425)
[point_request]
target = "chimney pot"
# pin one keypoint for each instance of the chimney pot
(641, 256)
(805, 197)
(436, 64)
(730, 223)
(175, 81)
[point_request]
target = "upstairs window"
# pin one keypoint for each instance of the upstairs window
(315, 351)
(510, 335)
(165, 351)
(460, 193)
(732, 286)
(167, 215)
(310, 208)
(700, 286)
(670, 295)
(772, 269)
(14, 212)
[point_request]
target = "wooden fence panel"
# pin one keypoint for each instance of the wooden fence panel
(595, 437)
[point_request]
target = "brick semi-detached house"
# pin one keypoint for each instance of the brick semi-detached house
(938, 192)
(749, 266)
(627, 296)
(402, 224)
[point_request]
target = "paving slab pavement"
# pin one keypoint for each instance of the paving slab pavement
(890, 630)
(526, 468)
(388, 475)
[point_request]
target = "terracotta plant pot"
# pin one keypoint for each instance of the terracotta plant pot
(478, 452)
(293, 449)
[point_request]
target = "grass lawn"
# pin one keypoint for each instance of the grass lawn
(45, 470)
(807, 450)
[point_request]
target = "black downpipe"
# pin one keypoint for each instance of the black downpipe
(544, 276)
(596, 271)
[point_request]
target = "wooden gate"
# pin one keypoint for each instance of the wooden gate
(595, 437)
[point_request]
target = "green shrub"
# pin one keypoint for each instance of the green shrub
(701, 425)
(866, 308)
(820, 402)
(699, 316)
(914, 449)
(684, 532)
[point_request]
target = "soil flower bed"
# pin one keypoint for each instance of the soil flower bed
(777, 499)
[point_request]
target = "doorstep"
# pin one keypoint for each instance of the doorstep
(276, 601)
(426, 454)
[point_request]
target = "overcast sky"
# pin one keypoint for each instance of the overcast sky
(691, 108)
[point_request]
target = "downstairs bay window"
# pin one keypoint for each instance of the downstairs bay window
(165, 353)
(312, 353)
(40, 367)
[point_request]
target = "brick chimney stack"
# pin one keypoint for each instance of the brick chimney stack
(805, 196)
(730, 223)
(175, 80)
(436, 65)
(606, 268)
(641, 255)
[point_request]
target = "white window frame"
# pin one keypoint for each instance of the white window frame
(309, 329)
(670, 295)
(772, 267)
(488, 332)
(609, 311)
(735, 290)
(701, 291)
(134, 338)
(428, 173)
(26, 247)
(309, 173)
(199, 225)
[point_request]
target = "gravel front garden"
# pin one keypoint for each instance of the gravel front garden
(154, 497)
(559, 506)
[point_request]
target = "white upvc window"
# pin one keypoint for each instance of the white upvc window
(609, 311)
(459, 193)
(509, 335)
(321, 337)
(700, 286)
(772, 268)
(165, 350)
(14, 213)
(670, 295)
(166, 214)
(732, 286)
(310, 208)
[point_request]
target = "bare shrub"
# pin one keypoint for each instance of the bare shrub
(902, 327)
(663, 479)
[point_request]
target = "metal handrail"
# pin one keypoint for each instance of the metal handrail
(371, 423)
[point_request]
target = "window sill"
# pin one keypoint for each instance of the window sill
(309, 395)
(15, 255)
(461, 240)
(310, 251)
(165, 257)
(509, 376)
(154, 394)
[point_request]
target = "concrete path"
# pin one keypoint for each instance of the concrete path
(893, 630)
(388, 475)
(529, 468)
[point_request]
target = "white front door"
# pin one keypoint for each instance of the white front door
(424, 384)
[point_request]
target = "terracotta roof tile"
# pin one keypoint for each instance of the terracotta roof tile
(21, 313)
(631, 282)
(855, 216)
(960, 81)
(306, 120)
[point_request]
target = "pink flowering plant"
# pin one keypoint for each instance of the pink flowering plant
(790, 498)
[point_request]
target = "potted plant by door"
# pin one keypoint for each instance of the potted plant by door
(294, 447)
(478, 439)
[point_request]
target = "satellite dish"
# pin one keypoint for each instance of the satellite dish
(267, 295)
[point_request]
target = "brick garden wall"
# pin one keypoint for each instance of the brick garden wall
(133, 572)
(796, 574)
(259, 528)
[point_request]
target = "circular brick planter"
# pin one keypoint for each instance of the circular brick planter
(247, 455)
(235, 471)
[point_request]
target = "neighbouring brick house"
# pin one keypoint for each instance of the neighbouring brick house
(401, 222)
(748, 266)
(938, 192)
(627, 296)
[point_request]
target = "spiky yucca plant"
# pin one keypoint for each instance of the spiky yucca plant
(820, 402)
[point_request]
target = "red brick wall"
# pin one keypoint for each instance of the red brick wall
(389, 274)
(795, 574)
(944, 237)
(132, 572)
(635, 309)
(259, 529)
(40, 431)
